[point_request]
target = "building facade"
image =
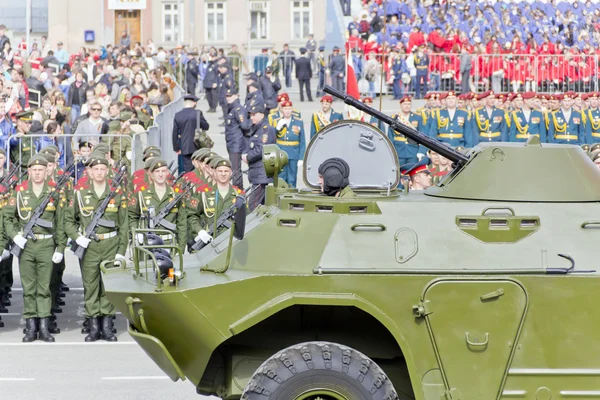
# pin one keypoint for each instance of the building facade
(251, 24)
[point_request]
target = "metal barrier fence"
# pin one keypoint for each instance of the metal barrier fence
(128, 147)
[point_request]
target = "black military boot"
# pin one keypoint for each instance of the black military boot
(53, 326)
(108, 329)
(6, 300)
(3, 310)
(56, 310)
(44, 332)
(1, 323)
(30, 330)
(62, 295)
(94, 331)
(85, 326)
(63, 287)
(59, 301)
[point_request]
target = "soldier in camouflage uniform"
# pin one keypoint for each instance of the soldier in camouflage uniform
(112, 243)
(35, 262)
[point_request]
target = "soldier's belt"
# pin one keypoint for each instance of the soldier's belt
(38, 237)
(288, 143)
(525, 135)
(166, 237)
(489, 134)
(596, 134)
(450, 135)
(400, 139)
(566, 137)
(104, 236)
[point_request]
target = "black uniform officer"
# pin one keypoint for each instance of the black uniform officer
(269, 89)
(337, 69)
(210, 84)
(184, 127)
(321, 67)
(237, 124)
(254, 95)
(191, 74)
(261, 133)
(226, 83)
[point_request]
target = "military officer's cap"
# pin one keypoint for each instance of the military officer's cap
(406, 99)
(156, 164)
(595, 147)
(252, 76)
(485, 94)
(268, 70)
(190, 97)
(368, 100)
(222, 162)
(25, 115)
(231, 91)
(37, 159)
(528, 95)
(321, 48)
(335, 48)
(585, 147)
(286, 103)
(254, 85)
(569, 95)
(98, 160)
(282, 96)
(125, 116)
(327, 98)
(413, 169)
(256, 108)
(594, 155)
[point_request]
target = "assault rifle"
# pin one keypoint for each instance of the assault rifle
(159, 219)
(453, 155)
(237, 211)
(97, 220)
(36, 217)
(11, 173)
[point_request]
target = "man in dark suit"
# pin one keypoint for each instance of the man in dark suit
(303, 74)
(184, 126)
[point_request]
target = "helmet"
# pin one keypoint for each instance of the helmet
(163, 261)
(152, 239)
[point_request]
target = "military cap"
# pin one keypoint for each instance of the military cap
(190, 97)
(321, 48)
(485, 94)
(49, 157)
(595, 147)
(37, 159)
(3, 152)
(268, 70)
(101, 146)
(231, 91)
(148, 162)
(569, 95)
(256, 108)
(254, 85)
(335, 48)
(327, 98)
(150, 148)
(286, 103)
(125, 116)
(585, 147)
(49, 150)
(25, 115)
(282, 96)
(593, 95)
(53, 147)
(441, 96)
(302, 50)
(221, 162)
(413, 169)
(595, 155)
(98, 160)
(156, 164)
(206, 155)
(406, 99)
(199, 153)
(151, 154)
(252, 76)
(208, 160)
(528, 95)
(368, 100)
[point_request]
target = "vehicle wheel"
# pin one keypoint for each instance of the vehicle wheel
(319, 371)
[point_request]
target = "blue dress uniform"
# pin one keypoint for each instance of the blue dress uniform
(489, 127)
(407, 149)
(566, 131)
(291, 139)
(521, 128)
(319, 120)
(371, 120)
(453, 131)
(592, 126)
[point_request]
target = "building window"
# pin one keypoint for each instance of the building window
(302, 19)
(171, 22)
(259, 19)
(215, 21)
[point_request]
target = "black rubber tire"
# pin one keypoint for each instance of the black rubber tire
(306, 366)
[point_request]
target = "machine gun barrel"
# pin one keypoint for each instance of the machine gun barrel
(455, 156)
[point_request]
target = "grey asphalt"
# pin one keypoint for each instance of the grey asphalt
(71, 369)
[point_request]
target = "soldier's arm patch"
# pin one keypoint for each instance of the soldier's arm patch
(13, 201)
(193, 203)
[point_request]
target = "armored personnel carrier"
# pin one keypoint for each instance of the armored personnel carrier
(483, 287)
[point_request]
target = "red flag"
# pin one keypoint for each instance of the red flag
(351, 82)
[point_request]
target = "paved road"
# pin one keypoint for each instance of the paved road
(71, 369)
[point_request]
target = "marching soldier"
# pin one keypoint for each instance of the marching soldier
(566, 125)
(37, 256)
(140, 177)
(262, 133)
(324, 117)
(237, 125)
(112, 243)
(451, 125)
(526, 121)
(489, 124)
(22, 147)
(593, 119)
(147, 202)
(408, 150)
(196, 176)
(290, 137)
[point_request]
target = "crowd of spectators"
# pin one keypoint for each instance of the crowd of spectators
(478, 45)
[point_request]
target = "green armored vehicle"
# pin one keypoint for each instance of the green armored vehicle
(483, 287)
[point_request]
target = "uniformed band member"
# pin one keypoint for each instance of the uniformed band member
(261, 133)
(334, 175)
(489, 124)
(407, 149)
(526, 121)
(324, 117)
(566, 124)
(35, 261)
(147, 202)
(112, 244)
(291, 139)
(451, 125)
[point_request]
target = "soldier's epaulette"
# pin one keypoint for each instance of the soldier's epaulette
(238, 190)
(273, 111)
(23, 186)
(296, 113)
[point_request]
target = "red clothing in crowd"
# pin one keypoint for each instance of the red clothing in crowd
(354, 43)
(415, 39)
(436, 39)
